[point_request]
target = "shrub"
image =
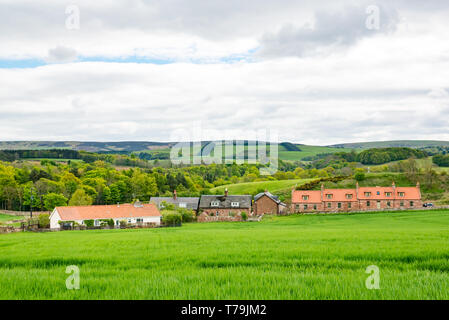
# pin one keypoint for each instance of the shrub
(244, 215)
(44, 220)
(172, 219)
(187, 215)
(107, 222)
(89, 223)
(123, 223)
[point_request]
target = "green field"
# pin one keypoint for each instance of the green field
(7, 217)
(307, 151)
(293, 257)
(252, 188)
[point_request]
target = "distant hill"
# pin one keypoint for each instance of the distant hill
(128, 146)
(393, 143)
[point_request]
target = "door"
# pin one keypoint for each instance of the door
(378, 204)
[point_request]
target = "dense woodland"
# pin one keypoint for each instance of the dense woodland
(91, 178)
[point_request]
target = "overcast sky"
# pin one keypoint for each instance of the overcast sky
(315, 72)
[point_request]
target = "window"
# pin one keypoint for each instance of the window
(215, 204)
(305, 197)
(234, 204)
(139, 220)
(329, 196)
(349, 205)
(388, 204)
(305, 207)
(368, 203)
(96, 223)
(183, 205)
(411, 204)
(349, 196)
(297, 207)
(329, 204)
(388, 194)
(339, 205)
(402, 203)
(401, 194)
(129, 221)
(314, 207)
(367, 194)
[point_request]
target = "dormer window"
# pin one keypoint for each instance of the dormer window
(388, 194)
(349, 196)
(401, 194)
(367, 194)
(329, 196)
(215, 204)
(234, 204)
(305, 197)
(378, 193)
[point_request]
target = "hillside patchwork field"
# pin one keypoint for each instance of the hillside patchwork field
(276, 186)
(290, 257)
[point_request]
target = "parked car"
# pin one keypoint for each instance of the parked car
(428, 205)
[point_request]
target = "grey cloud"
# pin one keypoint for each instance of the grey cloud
(331, 29)
(61, 54)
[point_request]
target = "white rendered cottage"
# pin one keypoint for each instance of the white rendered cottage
(131, 213)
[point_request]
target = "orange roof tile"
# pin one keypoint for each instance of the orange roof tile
(340, 194)
(410, 193)
(377, 193)
(314, 196)
(107, 212)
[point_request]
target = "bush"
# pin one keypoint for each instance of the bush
(44, 220)
(172, 219)
(244, 215)
(187, 215)
(89, 223)
(107, 222)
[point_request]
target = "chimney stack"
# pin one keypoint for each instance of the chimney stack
(175, 196)
(226, 192)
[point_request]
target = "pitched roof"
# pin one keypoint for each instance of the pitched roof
(268, 194)
(314, 196)
(107, 212)
(410, 193)
(225, 201)
(376, 193)
(191, 202)
(340, 194)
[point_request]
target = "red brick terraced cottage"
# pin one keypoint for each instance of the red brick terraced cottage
(358, 199)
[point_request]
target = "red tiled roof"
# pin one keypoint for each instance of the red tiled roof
(374, 191)
(314, 196)
(410, 193)
(339, 194)
(107, 212)
(377, 193)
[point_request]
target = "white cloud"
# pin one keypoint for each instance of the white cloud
(389, 86)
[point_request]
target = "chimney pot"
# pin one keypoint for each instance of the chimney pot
(226, 192)
(175, 196)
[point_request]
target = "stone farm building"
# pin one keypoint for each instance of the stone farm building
(223, 207)
(131, 213)
(190, 203)
(358, 199)
(266, 203)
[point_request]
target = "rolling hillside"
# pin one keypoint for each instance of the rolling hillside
(393, 143)
(278, 186)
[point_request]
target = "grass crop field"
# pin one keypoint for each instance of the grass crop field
(253, 187)
(307, 151)
(293, 257)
